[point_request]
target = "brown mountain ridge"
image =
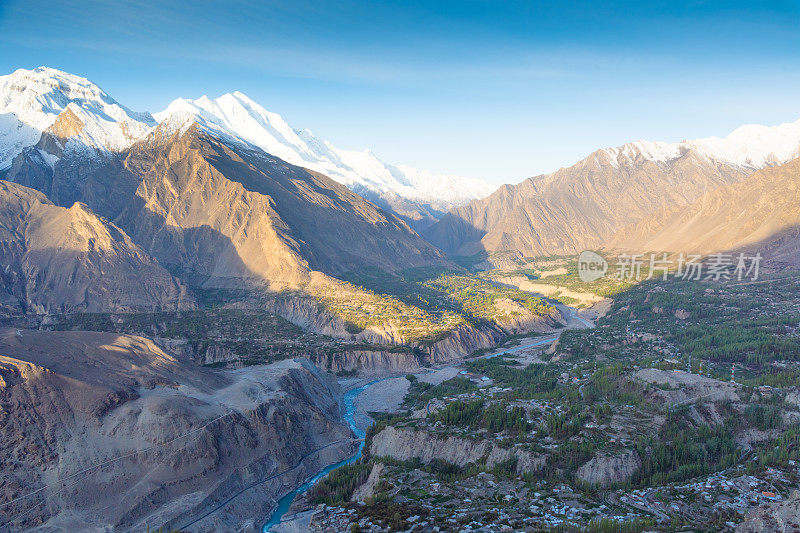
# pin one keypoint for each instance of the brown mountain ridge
(58, 259)
(758, 214)
(227, 214)
(579, 207)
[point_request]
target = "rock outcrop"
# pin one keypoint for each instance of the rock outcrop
(604, 469)
(456, 345)
(793, 398)
(521, 320)
(109, 431)
(307, 313)
(406, 444)
(367, 490)
(461, 342)
(680, 387)
(369, 361)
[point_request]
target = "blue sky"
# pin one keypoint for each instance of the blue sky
(497, 90)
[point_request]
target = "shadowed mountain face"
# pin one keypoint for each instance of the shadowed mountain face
(58, 259)
(760, 213)
(578, 207)
(224, 214)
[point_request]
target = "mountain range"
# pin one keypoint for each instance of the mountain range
(587, 204)
(32, 101)
(759, 214)
(223, 193)
(148, 379)
(420, 196)
(213, 208)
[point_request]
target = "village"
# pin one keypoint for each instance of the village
(612, 429)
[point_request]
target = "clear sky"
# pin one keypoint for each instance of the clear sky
(500, 90)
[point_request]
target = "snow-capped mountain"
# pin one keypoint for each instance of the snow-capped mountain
(582, 206)
(32, 100)
(236, 116)
(752, 146)
(85, 118)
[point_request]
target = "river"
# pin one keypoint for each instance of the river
(349, 417)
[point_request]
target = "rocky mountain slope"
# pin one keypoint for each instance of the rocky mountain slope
(418, 195)
(95, 125)
(58, 259)
(151, 440)
(584, 205)
(204, 202)
(759, 213)
(223, 213)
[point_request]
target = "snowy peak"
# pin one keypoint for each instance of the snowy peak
(32, 100)
(236, 116)
(754, 145)
(83, 118)
(751, 147)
